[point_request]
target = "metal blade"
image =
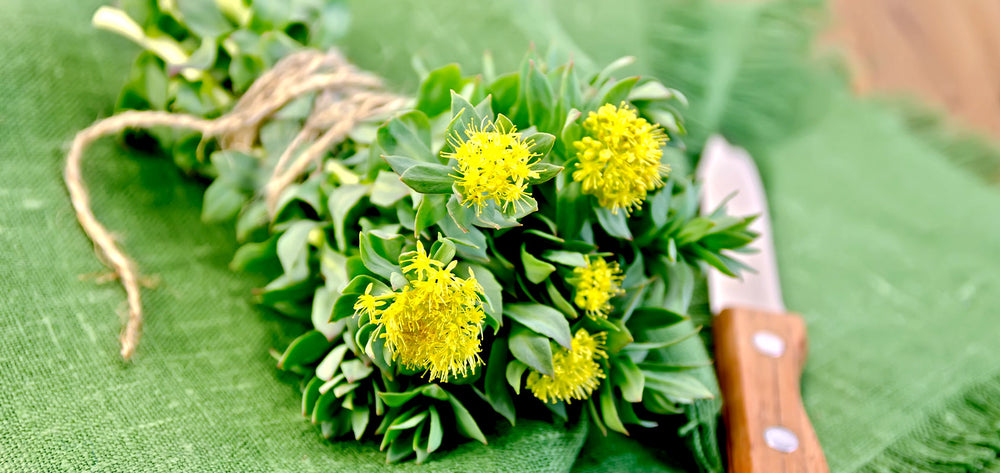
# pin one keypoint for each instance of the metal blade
(723, 170)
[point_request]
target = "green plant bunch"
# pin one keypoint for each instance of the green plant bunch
(510, 242)
(504, 248)
(199, 56)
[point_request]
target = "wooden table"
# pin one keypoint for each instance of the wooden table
(945, 51)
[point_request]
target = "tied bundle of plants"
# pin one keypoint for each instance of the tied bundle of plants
(488, 247)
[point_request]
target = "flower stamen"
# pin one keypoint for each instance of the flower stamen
(619, 161)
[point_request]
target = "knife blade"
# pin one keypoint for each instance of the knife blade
(760, 348)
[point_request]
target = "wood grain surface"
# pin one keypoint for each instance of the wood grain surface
(762, 394)
(945, 51)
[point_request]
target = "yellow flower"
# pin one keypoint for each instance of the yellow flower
(577, 373)
(492, 163)
(595, 285)
(434, 323)
(367, 303)
(619, 162)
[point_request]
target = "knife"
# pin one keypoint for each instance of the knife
(760, 349)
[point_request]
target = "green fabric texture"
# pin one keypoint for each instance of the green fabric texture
(885, 246)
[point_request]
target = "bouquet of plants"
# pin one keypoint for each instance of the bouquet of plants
(492, 246)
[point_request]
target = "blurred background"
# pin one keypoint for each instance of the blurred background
(885, 245)
(945, 52)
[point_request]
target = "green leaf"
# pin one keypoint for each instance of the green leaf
(531, 349)
(504, 91)
(641, 346)
(243, 70)
(571, 131)
(398, 399)
(659, 204)
(559, 301)
(333, 23)
(203, 58)
(628, 377)
(492, 217)
(540, 99)
(355, 370)
(252, 222)
(328, 367)
(293, 249)
(654, 317)
(485, 108)
(463, 217)
(434, 96)
(535, 269)
(572, 208)
(275, 46)
(408, 423)
(309, 396)
(322, 311)
(434, 391)
(540, 144)
(654, 90)
(375, 256)
(420, 444)
(257, 258)
(680, 387)
(324, 408)
(464, 422)
(680, 280)
(304, 350)
(496, 388)
(616, 224)
(618, 92)
(569, 90)
(398, 281)
(429, 178)
(463, 116)
(609, 412)
(694, 230)
(203, 18)
(618, 339)
(359, 283)
(342, 200)
(399, 448)
(223, 200)
(568, 258)
(400, 164)
(492, 290)
(443, 250)
(545, 171)
(542, 319)
(712, 259)
(343, 307)
(673, 367)
(435, 433)
(295, 197)
(388, 189)
(431, 209)
(359, 421)
(595, 417)
(407, 135)
(514, 373)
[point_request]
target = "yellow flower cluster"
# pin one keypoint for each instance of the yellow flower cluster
(619, 162)
(492, 163)
(434, 323)
(577, 373)
(595, 285)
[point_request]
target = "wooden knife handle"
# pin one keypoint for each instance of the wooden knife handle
(759, 357)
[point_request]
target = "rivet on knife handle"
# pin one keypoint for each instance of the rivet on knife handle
(760, 356)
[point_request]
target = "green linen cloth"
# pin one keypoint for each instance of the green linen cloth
(888, 249)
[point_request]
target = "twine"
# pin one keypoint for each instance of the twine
(345, 96)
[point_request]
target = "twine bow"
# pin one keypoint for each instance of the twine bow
(345, 97)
